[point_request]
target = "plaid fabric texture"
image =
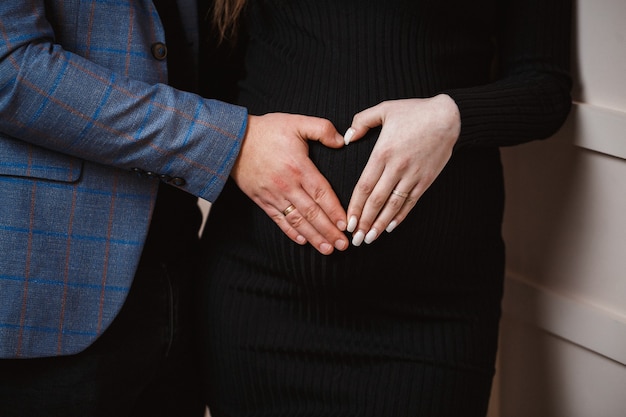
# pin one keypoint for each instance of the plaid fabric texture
(84, 108)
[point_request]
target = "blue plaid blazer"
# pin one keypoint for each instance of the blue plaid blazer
(83, 110)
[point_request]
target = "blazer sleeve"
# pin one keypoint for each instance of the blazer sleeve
(529, 97)
(56, 99)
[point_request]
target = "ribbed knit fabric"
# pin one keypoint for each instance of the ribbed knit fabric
(406, 326)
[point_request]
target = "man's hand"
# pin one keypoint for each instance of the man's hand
(274, 170)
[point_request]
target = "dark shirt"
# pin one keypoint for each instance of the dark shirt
(176, 218)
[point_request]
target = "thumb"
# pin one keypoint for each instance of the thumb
(321, 130)
(362, 122)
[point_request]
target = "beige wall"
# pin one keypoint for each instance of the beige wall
(563, 344)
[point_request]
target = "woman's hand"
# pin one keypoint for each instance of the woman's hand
(414, 145)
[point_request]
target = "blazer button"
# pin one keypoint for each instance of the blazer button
(177, 181)
(165, 178)
(159, 51)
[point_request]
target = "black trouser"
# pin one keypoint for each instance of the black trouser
(143, 365)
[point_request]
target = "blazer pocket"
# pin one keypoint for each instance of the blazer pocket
(22, 159)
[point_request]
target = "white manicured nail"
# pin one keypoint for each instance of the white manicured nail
(358, 237)
(391, 226)
(352, 224)
(348, 136)
(371, 236)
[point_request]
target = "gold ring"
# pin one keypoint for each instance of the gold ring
(400, 193)
(289, 209)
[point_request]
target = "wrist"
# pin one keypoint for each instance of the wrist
(450, 116)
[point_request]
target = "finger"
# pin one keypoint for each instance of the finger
(320, 208)
(320, 190)
(380, 202)
(411, 201)
(362, 191)
(406, 208)
(295, 226)
(364, 121)
(399, 203)
(301, 224)
(281, 221)
(320, 130)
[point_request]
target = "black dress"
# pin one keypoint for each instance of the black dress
(408, 325)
